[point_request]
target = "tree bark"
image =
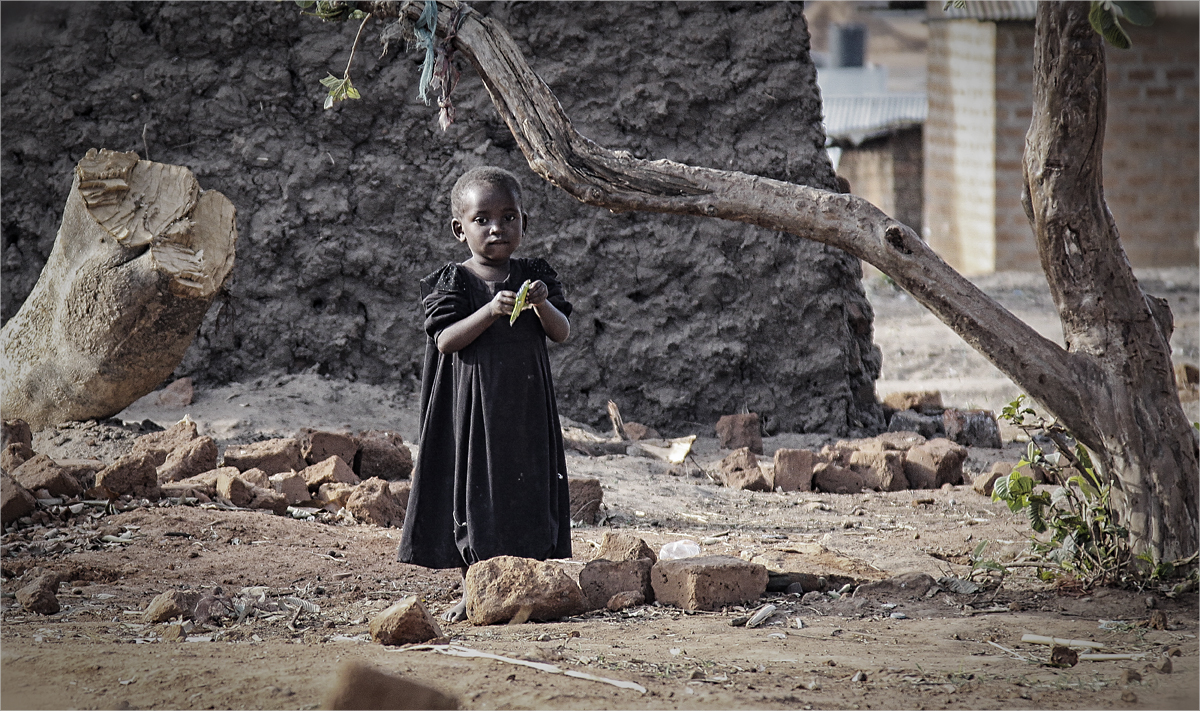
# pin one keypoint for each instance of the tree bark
(139, 256)
(1117, 356)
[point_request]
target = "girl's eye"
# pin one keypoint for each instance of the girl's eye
(509, 218)
(479, 220)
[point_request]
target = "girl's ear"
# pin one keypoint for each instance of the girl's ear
(524, 222)
(457, 228)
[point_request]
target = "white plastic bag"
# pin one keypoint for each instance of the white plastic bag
(679, 549)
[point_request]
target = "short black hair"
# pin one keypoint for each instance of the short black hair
(483, 175)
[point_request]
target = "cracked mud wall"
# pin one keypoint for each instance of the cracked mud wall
(678, 319)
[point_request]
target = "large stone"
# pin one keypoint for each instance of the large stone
(292, 486)
(177, 394)
(740, 470)
(234, 488)
(82, 470)
(189, 459)
(272, 456)
(400, 491)
(14, 455)
(934, 463)
(637, 431)
(15, 500)
(15, 430)
(884, 470)
(741, 430)
(707, 582)
(42, 472)
(383, 454)
(914, 400)
(972, 428)
(268, 499)
(405, 622)
(171, 604)
(361, 686)
(133, 474)
(334, 493)
(316, 446)
(258, 477)
(601, 579)
(498, 589)
(836, 479)
(900, 440)
(172, 438)
(205, 483)
(625, 599)
(985, 483)
(586, 497)
(928, 426)
(40, 596)
(619, 546)
(372, 502)
(331, 471)
(794, 469)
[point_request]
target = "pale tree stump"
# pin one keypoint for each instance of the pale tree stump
(139, 256)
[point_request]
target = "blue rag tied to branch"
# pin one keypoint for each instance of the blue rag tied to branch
(425, 29)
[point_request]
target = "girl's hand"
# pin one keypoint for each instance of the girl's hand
(503, 302)
(538, 291)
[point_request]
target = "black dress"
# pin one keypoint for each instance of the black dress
(491, 476)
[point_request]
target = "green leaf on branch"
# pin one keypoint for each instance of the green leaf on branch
(1105, 23)
(339, 90)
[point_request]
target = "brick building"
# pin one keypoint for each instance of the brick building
(979, 87)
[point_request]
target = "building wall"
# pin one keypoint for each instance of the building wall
(887, 172)
(1015, 248)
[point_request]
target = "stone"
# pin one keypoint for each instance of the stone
(258, 477)
(972, 428)
(900, 440)
(384, 455)
(707, 582)
(272, 456)
(14, 455)
(601, 579)
(906, 586)
(586, 497)
(40, 596)
(42, 472)
(174, 437)
(234, 488)
(938, 461)
(266, 498)
(177, 394)
(498, 589)
(189, 459)
(637, 431)
(316, 446)
(174, 633)
(625, 599)
(335, 493)
(170, 605)
(984, 484)
(1061, 656)
(331, 471)
(400, 491)
(82, 470)
(742, 430)
(1158, 620)
(794, 469)
(15, 500)
(292, 486)
(15, 430)
(835, 479)
(884, 470)
(618, 546)
(928, 426)
(914, 400)
(740, 470)
(1130, 676)
(361, 686)
(132, 474)
(372, 502)
(405, 622)
(189, 488)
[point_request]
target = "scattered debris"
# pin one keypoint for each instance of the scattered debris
(760, 615)
(457, 651)
(1041, 639)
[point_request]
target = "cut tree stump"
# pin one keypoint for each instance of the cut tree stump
(140, 254)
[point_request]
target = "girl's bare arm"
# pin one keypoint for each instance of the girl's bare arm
(461, 334)
(554, 322)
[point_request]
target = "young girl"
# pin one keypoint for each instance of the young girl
(491, 476)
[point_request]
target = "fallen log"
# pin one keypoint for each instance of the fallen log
(140, 254)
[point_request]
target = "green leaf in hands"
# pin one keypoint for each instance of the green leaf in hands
(520, 305)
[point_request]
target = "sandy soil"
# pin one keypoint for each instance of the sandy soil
(945, 651)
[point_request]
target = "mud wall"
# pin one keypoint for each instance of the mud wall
(340, 212)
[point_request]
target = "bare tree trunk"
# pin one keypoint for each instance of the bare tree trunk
(139, 256)
(1143, 426)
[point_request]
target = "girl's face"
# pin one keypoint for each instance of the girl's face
(491, 223)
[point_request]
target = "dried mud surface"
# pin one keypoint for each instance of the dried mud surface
(945, 652)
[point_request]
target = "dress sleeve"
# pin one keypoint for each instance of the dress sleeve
(445, 299)
(540, 269)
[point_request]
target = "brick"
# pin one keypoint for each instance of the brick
(316, 446)
(937, 462)
(741, 430)
(258, 477)
(171, 604)
(189, 459)
(177, 394)
(132, 474)
(972, 428)
(334, 493)
(400, 491)
(384, 455)
(618, 546)
(498, 589)
(233, 487)
(707, 582)
(15, 500)
(586, 497)
(405, 622)
(42, 472)
(624, 600)
(794, 469)
(914, 400)
(268, 499)
(372, 502)
(15, 430)
(835, 479)
(272, 456)
(175, 436)
(884, 471)
(927, 426)
(601, 579)
(292, 486)
(331, 471)
(361, 686)
(984, 484)
(740, 470)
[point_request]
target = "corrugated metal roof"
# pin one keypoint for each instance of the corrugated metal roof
(854, 119)
(992, 10)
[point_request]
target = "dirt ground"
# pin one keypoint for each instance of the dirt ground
(947, 650)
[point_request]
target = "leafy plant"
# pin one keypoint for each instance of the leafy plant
(1104, 17)
(337, 11)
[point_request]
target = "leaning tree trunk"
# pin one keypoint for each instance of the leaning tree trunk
(1142, 439)
(139, 256)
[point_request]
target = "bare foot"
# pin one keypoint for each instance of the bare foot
(458, 613)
